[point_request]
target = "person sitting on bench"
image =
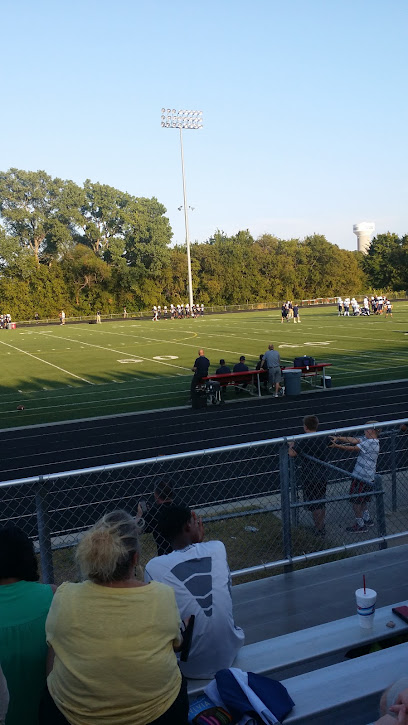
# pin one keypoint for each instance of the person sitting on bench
(198, 572)
(240, 368)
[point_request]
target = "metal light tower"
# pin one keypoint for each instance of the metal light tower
(171, 118)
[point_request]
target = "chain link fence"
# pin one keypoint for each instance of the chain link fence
(272, 510)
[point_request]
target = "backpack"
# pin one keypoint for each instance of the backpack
(303, 362)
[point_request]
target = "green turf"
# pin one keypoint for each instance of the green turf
(75, 371)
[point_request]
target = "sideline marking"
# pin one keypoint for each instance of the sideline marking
(128, 361)
(46, 363)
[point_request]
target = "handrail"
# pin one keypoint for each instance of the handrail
(202, 452)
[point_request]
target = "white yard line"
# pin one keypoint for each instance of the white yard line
(120, 352)
(186, 344)
(24, 352)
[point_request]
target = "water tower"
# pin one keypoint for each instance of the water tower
(364, 232)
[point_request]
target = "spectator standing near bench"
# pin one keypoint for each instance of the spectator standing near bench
(198, 572)
(273, 363)
(313, 474)
(368, 449)
(200, 370)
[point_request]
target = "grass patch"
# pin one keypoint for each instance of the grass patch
(78, 371)
(255, 539)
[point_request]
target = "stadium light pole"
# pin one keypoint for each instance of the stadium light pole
(170, 118)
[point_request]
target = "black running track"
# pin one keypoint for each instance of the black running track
(51, 449)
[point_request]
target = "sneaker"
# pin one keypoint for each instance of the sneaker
(276, 395)
(370, 522)
(356, 529)
(320, 532)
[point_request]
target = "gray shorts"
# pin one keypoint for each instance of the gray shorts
(275, 375)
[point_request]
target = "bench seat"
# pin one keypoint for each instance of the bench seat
(312, 648)
(347, 693)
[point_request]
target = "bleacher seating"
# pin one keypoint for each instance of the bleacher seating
(310, 661)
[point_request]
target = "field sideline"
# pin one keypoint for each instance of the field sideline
(79, 371)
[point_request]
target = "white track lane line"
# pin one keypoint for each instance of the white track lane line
(46, 362)
(104, 403)
(120, 352)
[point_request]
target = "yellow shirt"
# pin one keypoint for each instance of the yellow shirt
(114, 660)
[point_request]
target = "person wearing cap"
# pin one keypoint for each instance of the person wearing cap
(240, 367)
(223, 370)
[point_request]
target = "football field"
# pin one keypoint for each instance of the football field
(81, 370)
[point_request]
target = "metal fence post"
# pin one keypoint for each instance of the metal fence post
(44, 534)
(393, 470)
(285, 503)
(379, 502)
(293, 492)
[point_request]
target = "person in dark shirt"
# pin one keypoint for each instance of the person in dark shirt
(261, 365)
(223, 369)
(200, 370)
(240, 368)
(164, 499)
(313, 474)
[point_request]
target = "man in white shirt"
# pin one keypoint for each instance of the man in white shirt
(199, 574)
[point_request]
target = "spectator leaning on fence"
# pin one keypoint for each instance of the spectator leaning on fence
(113, 638)
(163, 499)
(364, 471)
(313, 474)
(24, 605)
(199, 574)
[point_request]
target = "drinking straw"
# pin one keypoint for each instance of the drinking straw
(364, 583)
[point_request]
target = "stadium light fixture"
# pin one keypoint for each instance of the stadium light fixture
(190, 120)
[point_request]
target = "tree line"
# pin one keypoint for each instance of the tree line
(91, 247)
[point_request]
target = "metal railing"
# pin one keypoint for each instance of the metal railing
(259, 501)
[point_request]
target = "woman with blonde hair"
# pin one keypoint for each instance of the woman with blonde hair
(113, 639)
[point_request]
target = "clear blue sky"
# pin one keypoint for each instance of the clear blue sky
(305, 107)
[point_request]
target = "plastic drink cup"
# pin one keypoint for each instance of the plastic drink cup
(366, 607)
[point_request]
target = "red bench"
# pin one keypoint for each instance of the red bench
(251, 378)
(310, 373)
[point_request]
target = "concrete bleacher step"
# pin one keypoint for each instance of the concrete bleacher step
(313, 648)
(347, 693)
(301, 599)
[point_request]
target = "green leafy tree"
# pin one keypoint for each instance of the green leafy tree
(105, 218)
(382, 262)
(83, 269)
(37, 210)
